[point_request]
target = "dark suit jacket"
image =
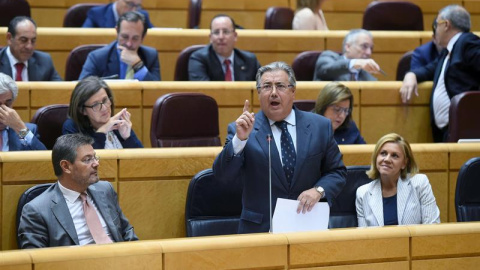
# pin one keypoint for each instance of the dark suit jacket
(319, 162)
(40, 66)
(349, 135)
(102, 17)
(461, 75)
(46, 220)
(15, 144)
(104, 62)
(205, 66)
(423, 55)
(69, 127)
(332, 66)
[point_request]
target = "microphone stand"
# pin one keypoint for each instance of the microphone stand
(269, 140)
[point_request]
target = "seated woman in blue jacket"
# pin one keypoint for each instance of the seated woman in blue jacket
(90, 113)
(335, 102)
(398, 194)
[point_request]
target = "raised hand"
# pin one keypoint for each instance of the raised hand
(127, 56)
(245, 122)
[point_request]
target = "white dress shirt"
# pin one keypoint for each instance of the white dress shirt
(13, 61)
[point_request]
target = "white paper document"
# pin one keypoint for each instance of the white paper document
(286, 219)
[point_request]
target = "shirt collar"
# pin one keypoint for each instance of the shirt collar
(14, 60)
(70, 195)
(290, 119)
(452, 41)
(222, 59)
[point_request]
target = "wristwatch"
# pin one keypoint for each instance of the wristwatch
(320, 190)
(22, 133)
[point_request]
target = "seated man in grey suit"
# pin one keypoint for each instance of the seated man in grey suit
(220, 61)
(19, 59)
(355, 64)
(125, 58)
(15, 135)
(78, 209)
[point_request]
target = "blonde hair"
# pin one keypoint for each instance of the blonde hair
(411, 167)
(311, 4)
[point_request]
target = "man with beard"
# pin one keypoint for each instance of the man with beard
(19, 59)
(125, 58)
(78, 209)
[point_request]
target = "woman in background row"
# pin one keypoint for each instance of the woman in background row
(309, 16)
(398, 195)
(335, 102)
(90, 113)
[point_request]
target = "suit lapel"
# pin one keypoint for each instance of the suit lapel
(239, 68)
(304, 135)
(262, 127)
(14, 143)
(216, 69)
(113, 65)
(376, 203)
(62, 214)
(33, 70)
(403, 194)
(5, 63)
(99, 197)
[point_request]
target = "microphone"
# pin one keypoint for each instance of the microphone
(269, 140)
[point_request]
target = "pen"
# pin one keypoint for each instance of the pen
(383, 72)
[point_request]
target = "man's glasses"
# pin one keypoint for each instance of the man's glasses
(90, 159)
(438, 23)
(96, 107)
(132, 5)
(338, 110)
(226, 32)
(279, 87)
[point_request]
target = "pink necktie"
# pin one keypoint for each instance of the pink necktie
(228, 72)
(93, 222)
(19, 66)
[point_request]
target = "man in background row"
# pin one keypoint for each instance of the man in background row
(78, 209)
(106, 16)
(356, 63)
(220, 61)
(455, 71)
(19, 59)
(15, 135)
(125, 58)
(427, 52)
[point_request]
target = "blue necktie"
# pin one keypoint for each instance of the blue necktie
(288, 151)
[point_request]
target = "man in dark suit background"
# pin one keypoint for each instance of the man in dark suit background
(220, 60)
(306, 162)
(355, 64)
(106, 16)
(455, 71)
(78, 209)
(427, 52)
(19, 59)
(125, 58)
(15, 135)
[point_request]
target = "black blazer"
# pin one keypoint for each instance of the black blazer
(205, 66)
(40, 66)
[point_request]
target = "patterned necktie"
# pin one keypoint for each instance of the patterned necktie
(93, 222)
(19, 66)
(228, 72)
(288, 151)
(130, 73)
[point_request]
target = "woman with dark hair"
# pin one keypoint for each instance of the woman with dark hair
(335, 102)
(90, 113)
(398, 194)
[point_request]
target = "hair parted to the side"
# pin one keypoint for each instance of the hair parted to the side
(65, 148)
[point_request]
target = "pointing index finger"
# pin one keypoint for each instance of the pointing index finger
(246, 106)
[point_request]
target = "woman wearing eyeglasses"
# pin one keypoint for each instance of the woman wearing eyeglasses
(90, 113)
(335, 102)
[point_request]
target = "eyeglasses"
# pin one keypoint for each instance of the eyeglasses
(132, 5)
(365, 46)
(8, 103)
(90, 159)
(279, 87)
(226, 32)
(96, 107)
(437, 23)
(338, 110)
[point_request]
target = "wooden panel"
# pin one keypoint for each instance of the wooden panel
(261, 251)
(133, 255)
(369, 266)
(364, 245)
(444, 264)
(15, 260)
(440, 188)
(448, 240)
